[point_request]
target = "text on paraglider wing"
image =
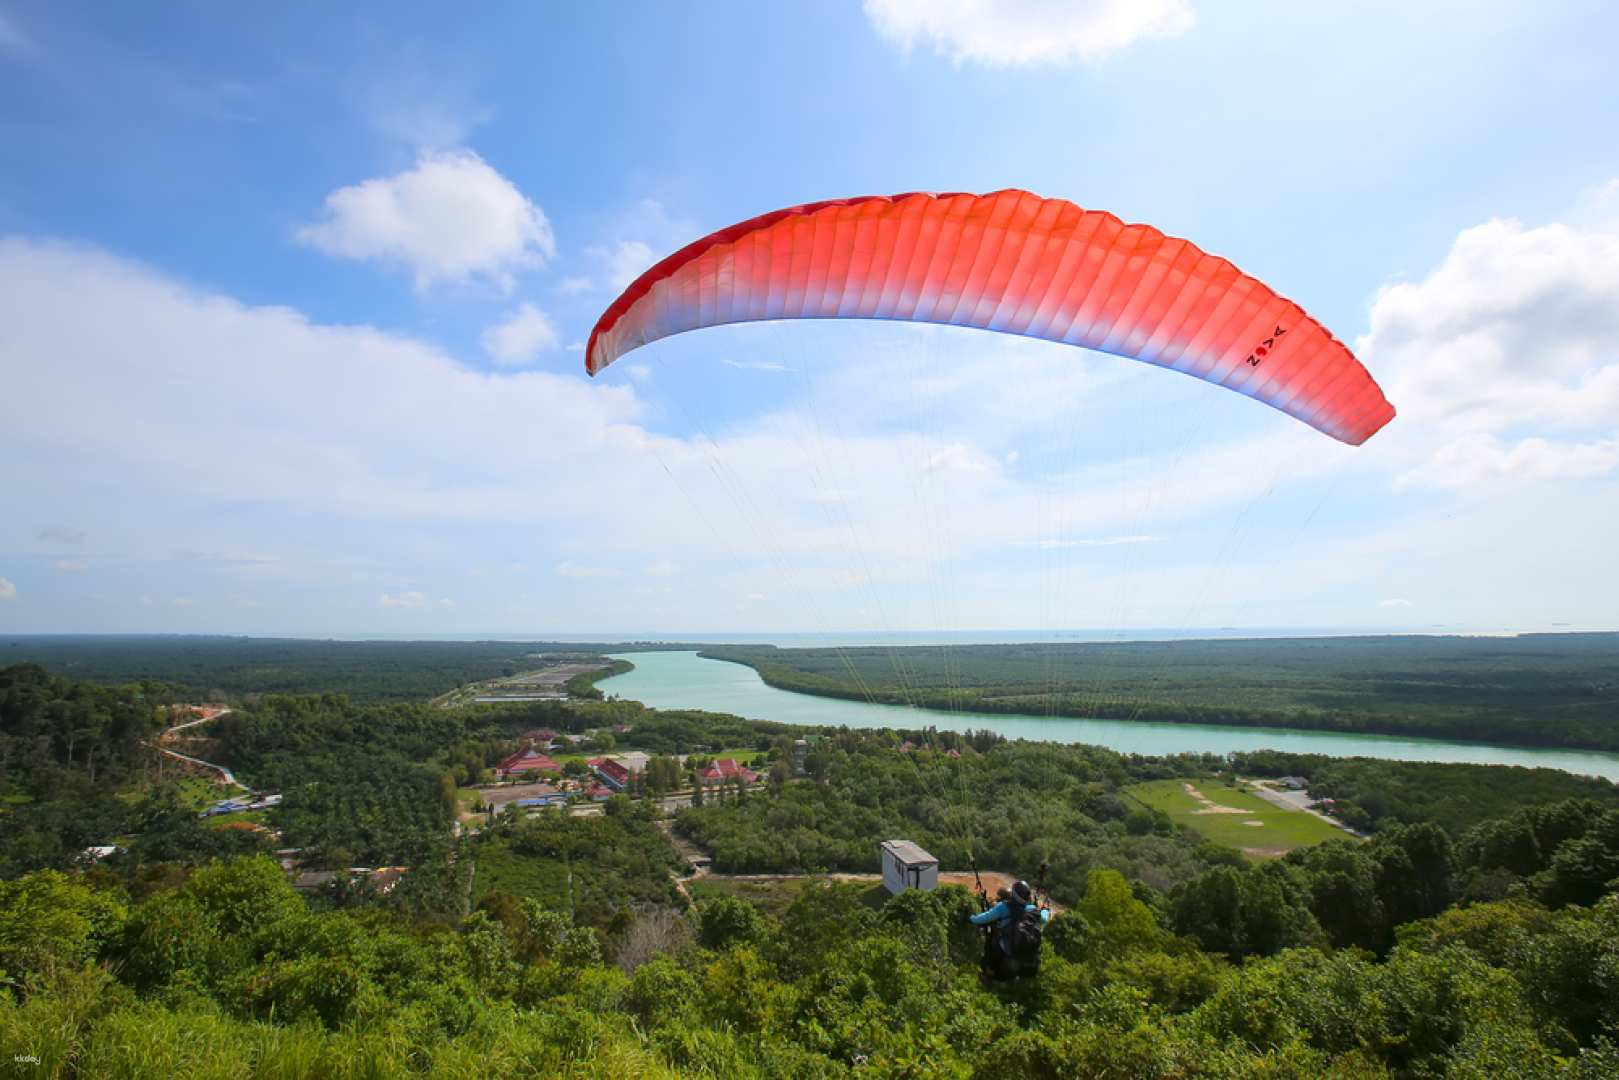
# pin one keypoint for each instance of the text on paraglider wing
(1258, 355)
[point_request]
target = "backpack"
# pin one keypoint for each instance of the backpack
(1023, 934)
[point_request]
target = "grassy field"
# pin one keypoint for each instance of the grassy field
(1278, 831)
(256, 817)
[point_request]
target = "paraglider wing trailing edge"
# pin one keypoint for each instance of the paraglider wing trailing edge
(1013, 262)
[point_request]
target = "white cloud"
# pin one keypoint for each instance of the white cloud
(623, 262)
(892, 485)
(661, 568)
(446, 602)
(1394, 602)
(526, 333)
(1502, 359)
(1481, 458)
(570, 569)
(68, 566)
(573, 286)
(757, 365)
(451, 217)
(249, 372)
(8, 591)
(1000, 33)
(640, 373)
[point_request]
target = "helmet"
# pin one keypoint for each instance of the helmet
(1021, 888)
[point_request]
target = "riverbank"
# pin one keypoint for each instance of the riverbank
(684, 680)
(1542, 691)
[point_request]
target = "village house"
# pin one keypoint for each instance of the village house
(526, 761)
(610, 772)
(724, 770)
(542, 738)
(634, 761)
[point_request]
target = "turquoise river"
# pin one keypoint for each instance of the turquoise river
(683, 680)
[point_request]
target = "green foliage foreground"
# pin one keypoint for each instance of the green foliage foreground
(230, 974)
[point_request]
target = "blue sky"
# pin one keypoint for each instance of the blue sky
(291, 303)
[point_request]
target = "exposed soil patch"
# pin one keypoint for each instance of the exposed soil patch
(1209, 805)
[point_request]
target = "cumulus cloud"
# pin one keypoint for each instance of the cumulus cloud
(8, 591)
(622, 262)
(834, 509)
(1001, 33)
(521, 338)
(269, 438)
(1501, 360)
(1477, 459)
(451, 217)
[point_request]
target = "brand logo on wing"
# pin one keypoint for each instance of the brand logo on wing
(1263, 349)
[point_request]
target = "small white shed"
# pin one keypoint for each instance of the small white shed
(906, 866)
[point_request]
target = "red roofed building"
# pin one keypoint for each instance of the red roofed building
(725, 769)
(544, 737)
(611, 772)
(525, 761)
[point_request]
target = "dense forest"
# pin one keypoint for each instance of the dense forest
(1011, 807)
(1480, 944)
(229, 972)
(1369, 794)
(229, 667)
(1552, 690)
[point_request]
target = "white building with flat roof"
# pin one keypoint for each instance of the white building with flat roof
(906, 866)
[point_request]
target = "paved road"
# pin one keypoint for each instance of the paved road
(1295, 800)
(194, 723)
(230, 777)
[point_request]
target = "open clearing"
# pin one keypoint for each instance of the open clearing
(1234, 817)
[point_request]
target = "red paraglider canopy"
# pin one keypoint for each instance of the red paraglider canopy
(1012, 262)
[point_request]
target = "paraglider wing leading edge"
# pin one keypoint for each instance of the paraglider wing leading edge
(1012, 262)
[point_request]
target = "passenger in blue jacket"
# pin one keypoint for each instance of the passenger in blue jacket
(1000, 950)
